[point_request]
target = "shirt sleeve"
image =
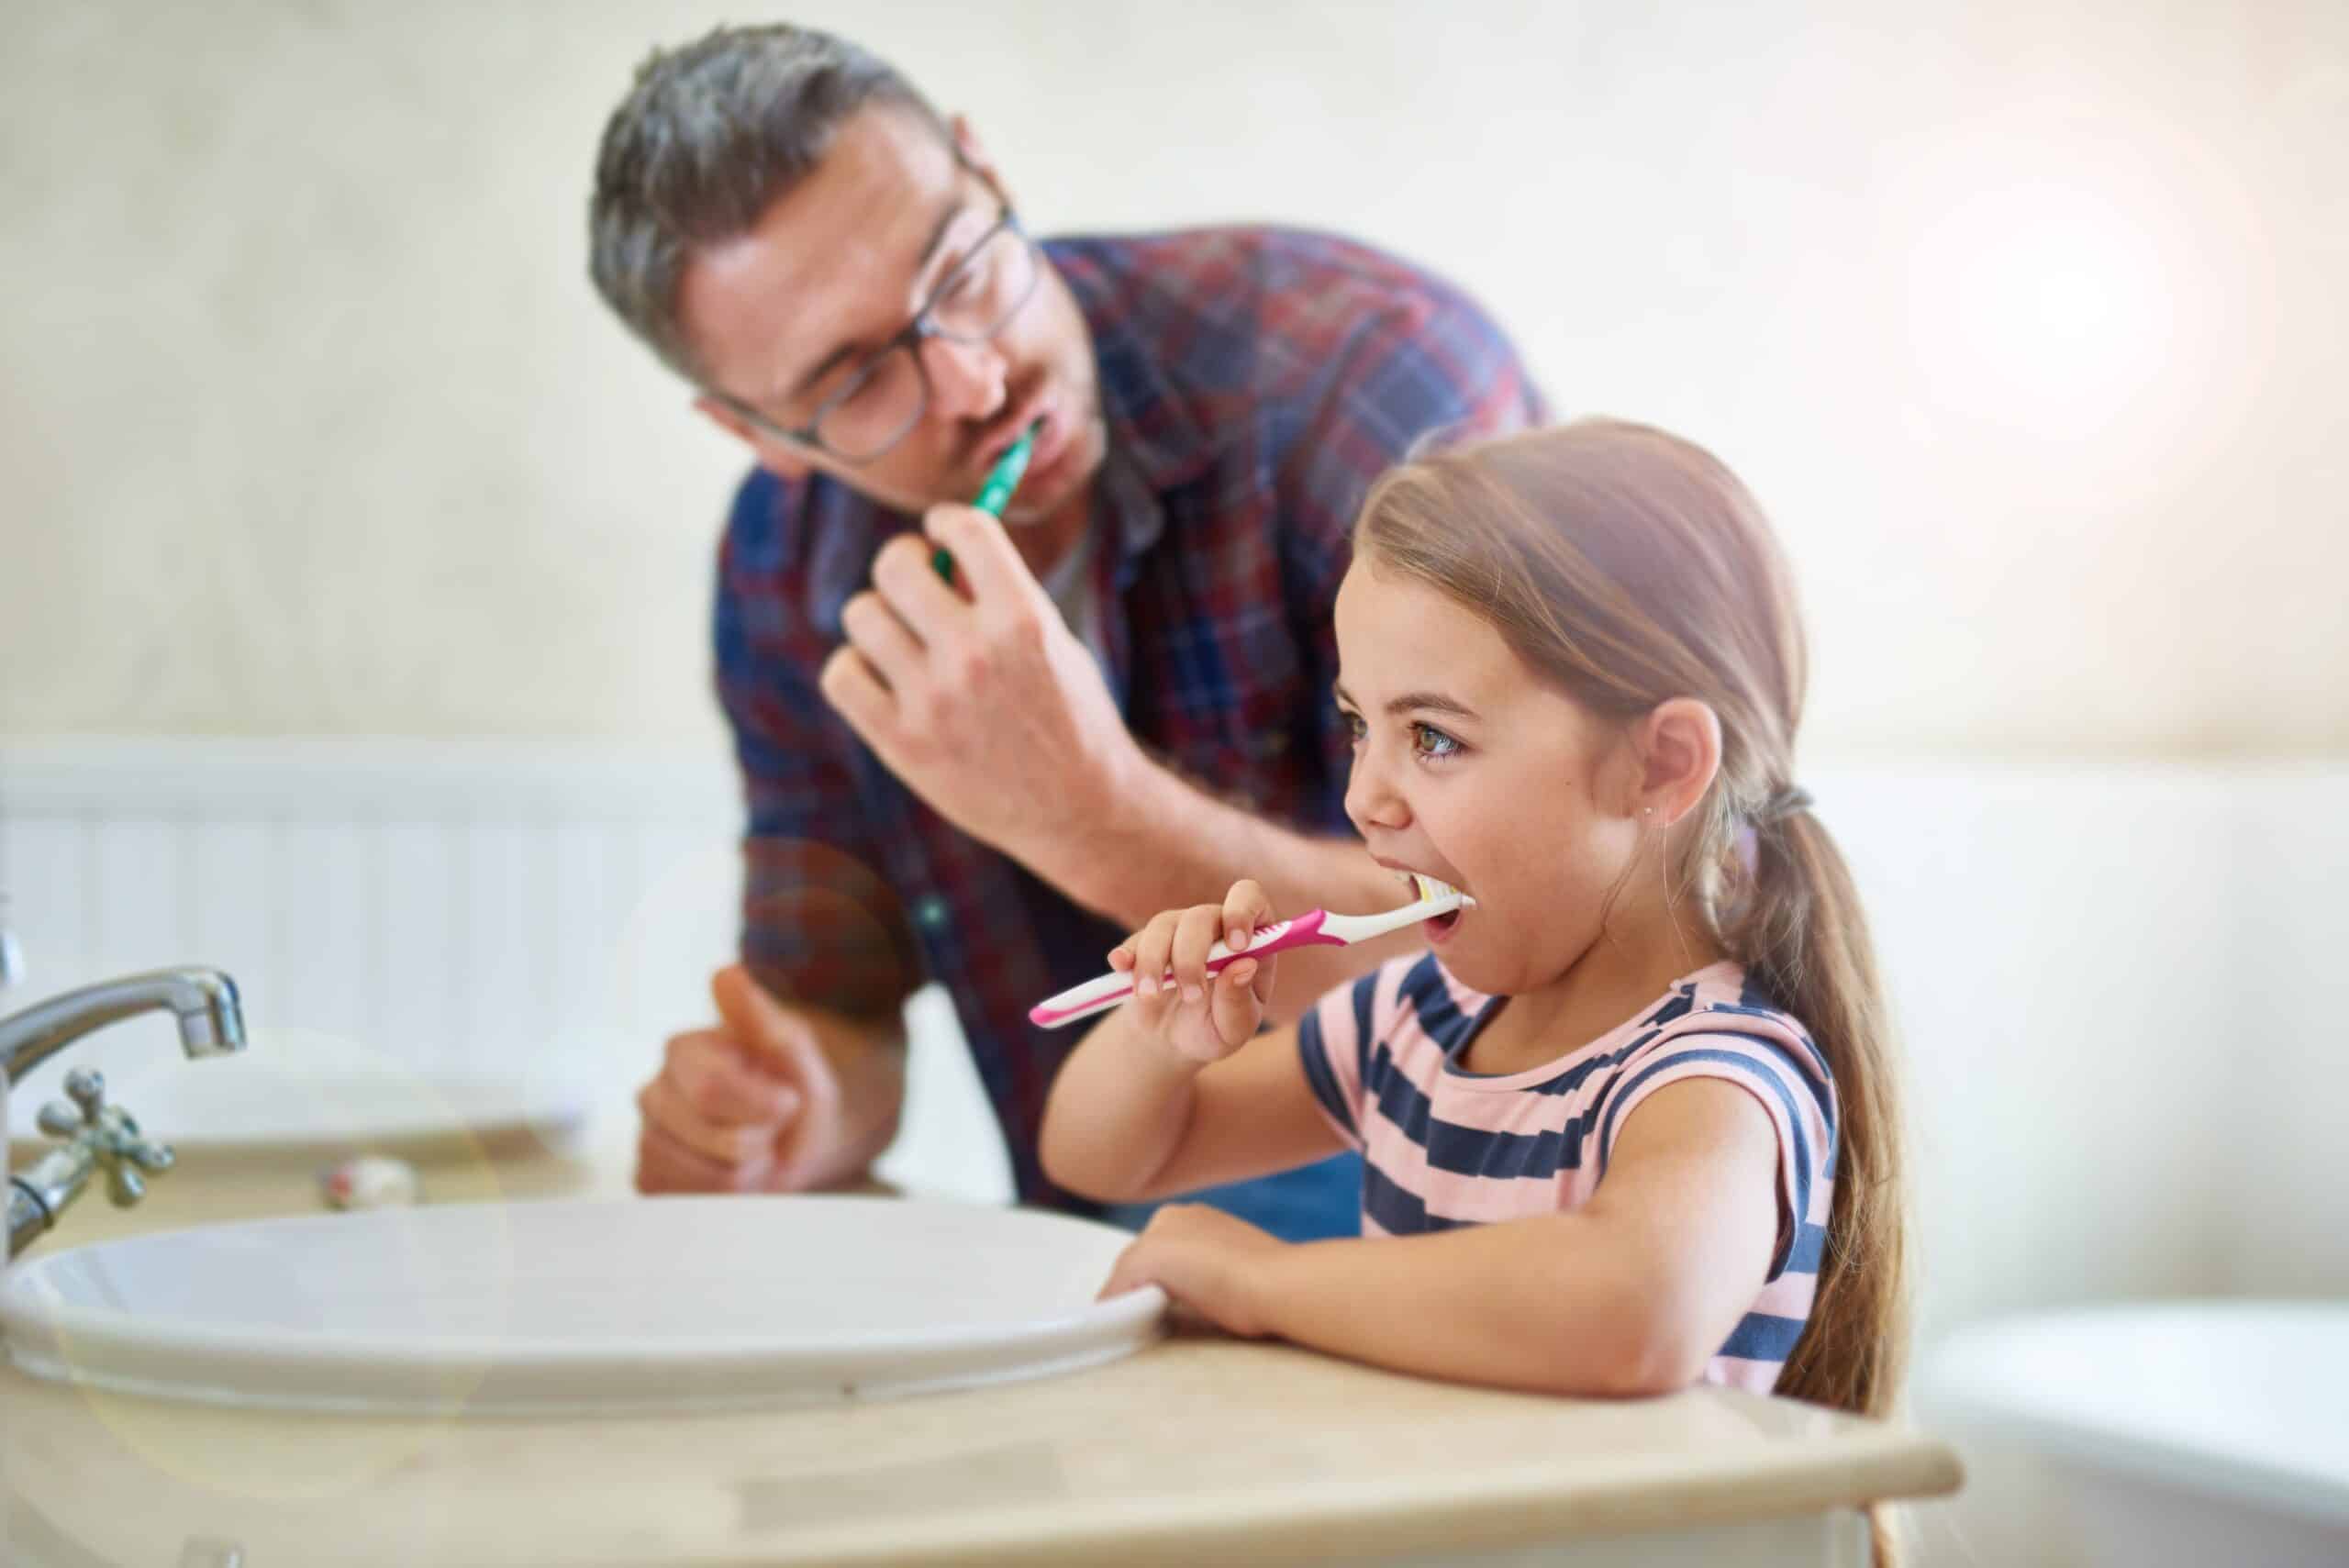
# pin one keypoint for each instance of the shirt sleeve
(820, 921)
(1785, 1075)
(1334, 1041)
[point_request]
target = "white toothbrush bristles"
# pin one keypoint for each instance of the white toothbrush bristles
(1428, 888)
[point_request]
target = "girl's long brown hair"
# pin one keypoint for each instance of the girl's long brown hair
(1631, 567)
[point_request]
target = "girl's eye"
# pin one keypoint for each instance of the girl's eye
(1430, 743)
(1434, 742)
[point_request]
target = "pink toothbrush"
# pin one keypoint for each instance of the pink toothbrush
(1316, 928)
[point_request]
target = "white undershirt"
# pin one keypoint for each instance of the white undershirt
(1078, 595)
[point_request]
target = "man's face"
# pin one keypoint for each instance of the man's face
(783, 315)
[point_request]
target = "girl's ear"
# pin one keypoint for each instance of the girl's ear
(1679, 748)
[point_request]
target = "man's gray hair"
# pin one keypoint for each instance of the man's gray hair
(708, 138)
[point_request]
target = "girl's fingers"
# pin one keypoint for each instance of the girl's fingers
(1168, 961)
(1246, 910)
(1194, 933)
(1236, 1011)
(1121, 1275)
(1264, 981)
(1150, 947)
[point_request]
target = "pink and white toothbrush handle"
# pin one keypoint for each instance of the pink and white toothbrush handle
(1100, 995)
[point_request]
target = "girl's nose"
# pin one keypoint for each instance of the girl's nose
(967, 381)
(1371, 800)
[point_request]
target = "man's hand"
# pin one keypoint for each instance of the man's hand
(774, 1099)
(978, 696)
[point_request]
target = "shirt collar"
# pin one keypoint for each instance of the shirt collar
(1148, 418)
(1156, 443)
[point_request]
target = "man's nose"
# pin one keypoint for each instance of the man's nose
(967, 381)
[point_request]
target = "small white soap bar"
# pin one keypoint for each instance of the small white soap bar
(370, 1181)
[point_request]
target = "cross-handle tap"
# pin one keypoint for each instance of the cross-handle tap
(211, 1021)
(111, 1133)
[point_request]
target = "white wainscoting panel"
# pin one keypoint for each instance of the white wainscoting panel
(460, 909)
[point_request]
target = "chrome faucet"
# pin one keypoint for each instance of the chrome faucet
(211, 1023)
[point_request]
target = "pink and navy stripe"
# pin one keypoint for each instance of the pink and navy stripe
(1443, 1147)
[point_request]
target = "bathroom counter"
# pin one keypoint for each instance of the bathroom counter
(1200, 1449)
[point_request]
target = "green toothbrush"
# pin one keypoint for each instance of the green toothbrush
(996, 494)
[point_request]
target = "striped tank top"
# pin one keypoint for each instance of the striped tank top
(1443, 1147)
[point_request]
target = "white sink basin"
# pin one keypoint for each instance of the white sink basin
(532, 1309)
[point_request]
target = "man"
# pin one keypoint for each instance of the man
(987, 781)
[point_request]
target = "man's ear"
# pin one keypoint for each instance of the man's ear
(1679, 748)
(774, 456)
(972, 152)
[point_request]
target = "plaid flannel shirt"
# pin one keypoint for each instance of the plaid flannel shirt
(1254, 383)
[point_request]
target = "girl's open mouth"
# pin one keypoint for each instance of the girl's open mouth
(1438, 927)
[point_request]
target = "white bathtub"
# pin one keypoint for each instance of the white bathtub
(2192, 1432)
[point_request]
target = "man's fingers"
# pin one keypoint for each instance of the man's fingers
(903, 575)
(985, 556)
(730, 1143)
(889, 647)
(665, 1165)
(724, 1086)
(781, 1037)
(858, 694)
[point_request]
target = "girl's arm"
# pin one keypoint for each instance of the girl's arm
(1632, 1294)
(1175, 1092)
(1132, 1119)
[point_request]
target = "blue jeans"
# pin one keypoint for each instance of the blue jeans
(1312, 1203)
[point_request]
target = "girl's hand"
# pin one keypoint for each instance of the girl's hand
(1204, 1259)
(1202, 1016)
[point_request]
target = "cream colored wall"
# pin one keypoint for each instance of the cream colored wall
(2024, 317)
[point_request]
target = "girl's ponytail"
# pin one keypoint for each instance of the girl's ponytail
(1801, 935)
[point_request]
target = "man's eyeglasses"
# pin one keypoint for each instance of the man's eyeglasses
(871, 406)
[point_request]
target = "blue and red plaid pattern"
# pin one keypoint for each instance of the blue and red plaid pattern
(1255, 382)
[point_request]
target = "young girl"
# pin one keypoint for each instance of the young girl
(1630, 1120)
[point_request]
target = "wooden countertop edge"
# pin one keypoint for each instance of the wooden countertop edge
(1318, 1522)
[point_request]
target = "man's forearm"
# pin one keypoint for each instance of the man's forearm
(1163, 843)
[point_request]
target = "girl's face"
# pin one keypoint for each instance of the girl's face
(1469, 767)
